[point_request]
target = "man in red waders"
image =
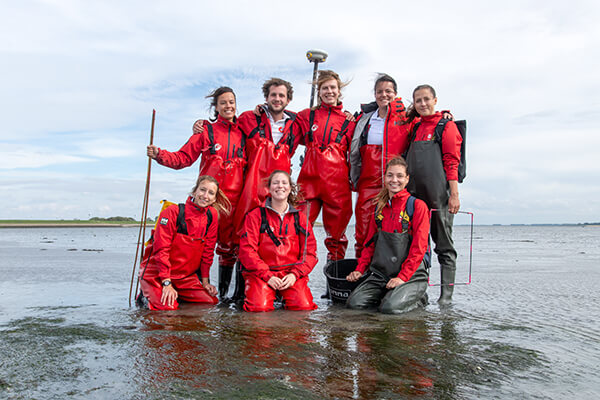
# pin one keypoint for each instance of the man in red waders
(324, 177)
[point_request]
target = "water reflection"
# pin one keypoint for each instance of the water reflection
(333, 354)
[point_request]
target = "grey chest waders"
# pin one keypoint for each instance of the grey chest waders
(391, 249)
(427, 176)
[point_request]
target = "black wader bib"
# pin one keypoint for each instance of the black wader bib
(428, 182)
(391, 249)
(427, 176)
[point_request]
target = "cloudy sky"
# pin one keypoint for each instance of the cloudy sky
(79, 81)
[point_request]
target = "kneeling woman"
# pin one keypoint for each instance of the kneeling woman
(395, 253)
(278, 250)
(177, 262)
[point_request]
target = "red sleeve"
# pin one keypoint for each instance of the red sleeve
(163, 237)
(451, 142)
(367, 252)
(298, 136)
(420, 232)
(311, 252)
(187, 155)
(210, 242)
(249, 245)
(302, 120)
(247, 122)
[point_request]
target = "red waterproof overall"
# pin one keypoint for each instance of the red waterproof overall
(181, 249)
(372, 165)
(324, 177)
(221, 145)
(264, 156)
(275, 246)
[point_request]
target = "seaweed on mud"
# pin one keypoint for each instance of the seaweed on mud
(36, 351)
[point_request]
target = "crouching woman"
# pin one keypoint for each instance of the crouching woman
(396, 249)
(177, 261)
(278, 250)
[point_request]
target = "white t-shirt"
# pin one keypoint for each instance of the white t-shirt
(376, 126)
(277, 127)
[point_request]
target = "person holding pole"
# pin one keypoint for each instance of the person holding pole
(324, 176)
(396, 250)
(222, 148)
(278, 250)
(179, 255)
(433, 165)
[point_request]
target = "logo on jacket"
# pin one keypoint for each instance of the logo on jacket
(403, 217)
(217, 147)
(164, 221)
(314, 127)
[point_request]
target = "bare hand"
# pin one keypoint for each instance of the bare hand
(198, 126)
(349, 116)
(211, 289)
(169, 295)
(354, 276)
(394, 282)
(453, 204)
(152, 151)
(287, 281)
(275, 282)
(447, 115)
(258, 110)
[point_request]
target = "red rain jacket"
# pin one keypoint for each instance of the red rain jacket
(175, 255)
(223, 158)
(392, 220)
(261, 256)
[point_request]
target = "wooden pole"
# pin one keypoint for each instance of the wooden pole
(142, 231)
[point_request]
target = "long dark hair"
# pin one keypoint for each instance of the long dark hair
(215, 98)
(411, 112)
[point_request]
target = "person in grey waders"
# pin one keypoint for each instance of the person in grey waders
(433, 157)
(396, 251)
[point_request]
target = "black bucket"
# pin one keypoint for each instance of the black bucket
(336, 272)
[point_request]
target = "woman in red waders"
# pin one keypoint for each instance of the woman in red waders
(324, 177)
(395, 252)
(433, 167)
(278, 250)
(221, 145)
(177, 261)
(381, 134)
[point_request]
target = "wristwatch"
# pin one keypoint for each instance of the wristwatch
(166, 283)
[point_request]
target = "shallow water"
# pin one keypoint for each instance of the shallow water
(527, 327)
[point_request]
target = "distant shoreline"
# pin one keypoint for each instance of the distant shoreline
(133, 224)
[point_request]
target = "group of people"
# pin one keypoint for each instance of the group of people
(246, 204)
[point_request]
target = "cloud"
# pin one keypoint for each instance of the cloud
(80, 81)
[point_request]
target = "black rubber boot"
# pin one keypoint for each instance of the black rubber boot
(238, 294)
(225, 272)
(447, 287)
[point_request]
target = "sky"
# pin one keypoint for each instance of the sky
(79, 81)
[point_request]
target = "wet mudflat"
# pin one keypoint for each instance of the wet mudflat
(526, 328)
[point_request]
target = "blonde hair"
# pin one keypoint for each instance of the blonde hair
(326, 75)
(222, 203)
(383, 196)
